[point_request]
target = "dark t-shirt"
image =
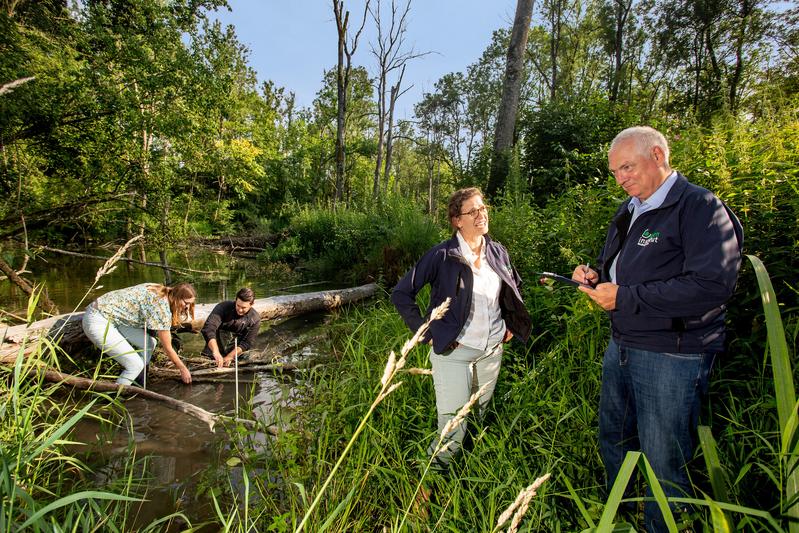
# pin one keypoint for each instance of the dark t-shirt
(224, 318)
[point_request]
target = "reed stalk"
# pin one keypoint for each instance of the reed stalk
(784, 391)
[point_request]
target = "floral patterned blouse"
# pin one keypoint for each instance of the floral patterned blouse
(133, 306)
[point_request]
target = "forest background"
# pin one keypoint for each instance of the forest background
(145, 118)
(124, 118)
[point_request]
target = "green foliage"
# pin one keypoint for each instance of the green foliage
(381, 243)
(536, 424)
(42, 486)
(566, 232)
(565, 144)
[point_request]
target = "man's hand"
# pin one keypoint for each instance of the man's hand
(508, 336)
(603, 294)
(585, 274)
(219, 361)
(228, 360)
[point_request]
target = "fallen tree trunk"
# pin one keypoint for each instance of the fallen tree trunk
(128, 390)
(44, 301)
(66, 329)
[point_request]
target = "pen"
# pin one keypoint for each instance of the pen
(586, 270)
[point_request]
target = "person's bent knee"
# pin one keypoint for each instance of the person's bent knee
(132, 368)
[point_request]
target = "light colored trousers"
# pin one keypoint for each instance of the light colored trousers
(456, 376)
(118, 341)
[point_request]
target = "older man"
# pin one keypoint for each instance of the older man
(231, 328)
(668, 267)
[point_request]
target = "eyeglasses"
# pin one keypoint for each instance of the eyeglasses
(482, 210)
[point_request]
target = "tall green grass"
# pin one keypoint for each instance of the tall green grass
(42, 486)
(378, 480)
(543, 418)
(354, 245)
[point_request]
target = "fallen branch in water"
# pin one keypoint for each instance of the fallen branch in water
(44, 301)
(170, 373)
(12, 315)
(128, 259)
(128, 390)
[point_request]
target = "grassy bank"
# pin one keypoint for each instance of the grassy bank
(543, 419)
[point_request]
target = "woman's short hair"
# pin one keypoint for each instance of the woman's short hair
(457, 200)
(245, 294)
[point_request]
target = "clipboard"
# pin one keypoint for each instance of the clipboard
(563, 279)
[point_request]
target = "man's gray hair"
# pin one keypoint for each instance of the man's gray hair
(645, 139)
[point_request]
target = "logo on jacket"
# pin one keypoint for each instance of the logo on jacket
(648, 237)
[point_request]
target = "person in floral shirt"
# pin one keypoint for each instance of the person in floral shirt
(120, 323)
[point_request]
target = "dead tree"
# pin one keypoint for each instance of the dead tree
(395, 94)
(391, 57)
(346, 49)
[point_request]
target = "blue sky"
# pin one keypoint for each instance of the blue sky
(292, 42)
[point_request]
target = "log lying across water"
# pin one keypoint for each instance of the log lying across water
(66, 329)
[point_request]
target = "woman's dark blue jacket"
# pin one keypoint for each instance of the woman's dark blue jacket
(450, 276)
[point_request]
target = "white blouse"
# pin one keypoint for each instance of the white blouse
(484, 327)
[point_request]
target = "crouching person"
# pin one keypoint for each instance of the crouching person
(231, 328)
(120, 324)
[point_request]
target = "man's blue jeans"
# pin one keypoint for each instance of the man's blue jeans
(650, 401)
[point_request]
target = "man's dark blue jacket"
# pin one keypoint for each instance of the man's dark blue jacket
(450, 276)
(676, 270)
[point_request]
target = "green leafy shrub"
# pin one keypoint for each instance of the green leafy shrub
(354, 246)
(564, 144)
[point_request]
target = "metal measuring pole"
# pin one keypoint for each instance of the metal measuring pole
(144, 379)
(236, 366)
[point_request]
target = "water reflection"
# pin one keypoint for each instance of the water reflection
(175, 453)
(180, 450)
(67, 278)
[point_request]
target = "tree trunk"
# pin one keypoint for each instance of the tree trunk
(341, 95)
(390, 129)
(508, 106)
(381, 127)
(430, 165)
(622, 14)
(142, 251)
(735, 79)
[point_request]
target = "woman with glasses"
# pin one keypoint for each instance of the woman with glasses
(485, 311)
(120, 324)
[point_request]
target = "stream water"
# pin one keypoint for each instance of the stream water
(181, 452)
